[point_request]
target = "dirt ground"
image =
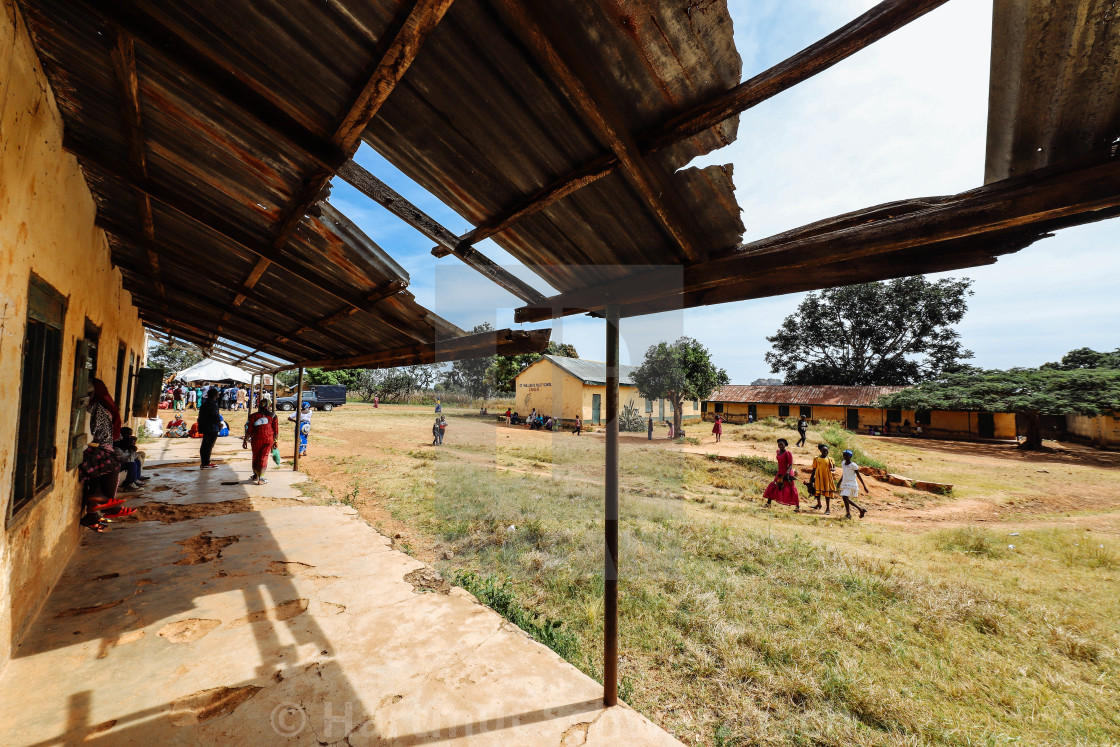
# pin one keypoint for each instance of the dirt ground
(1066, 485)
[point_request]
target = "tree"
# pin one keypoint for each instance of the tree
(678, 371)
(1027, 392)
(893, 332)
(1086, 358)
(470, 375)
(172, 359)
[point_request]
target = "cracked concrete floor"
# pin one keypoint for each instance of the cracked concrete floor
(239, 614)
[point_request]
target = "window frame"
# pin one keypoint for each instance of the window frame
(46, 307)
(806, 411)
(783, 411)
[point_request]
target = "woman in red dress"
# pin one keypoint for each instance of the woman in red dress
(783, 488)
(262, 429)
(718, 428)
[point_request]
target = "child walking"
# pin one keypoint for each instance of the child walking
(849, 488)
(822, 483)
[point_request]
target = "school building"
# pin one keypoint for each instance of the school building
(1102, 431)
(853, 406)
(566, 387)
(64, 317)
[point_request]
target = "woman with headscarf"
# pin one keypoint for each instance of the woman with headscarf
(262, 429)
(822, 483)
(783, 489)
(100, 468)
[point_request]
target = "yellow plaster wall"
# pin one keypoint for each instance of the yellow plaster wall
(46, 226)
(1103, 430)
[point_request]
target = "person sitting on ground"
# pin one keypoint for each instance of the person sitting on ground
(515, 419)
(548, 423)
(918, 430)
(130, 458)
(262, 430)
(177, 428)
(194, 432)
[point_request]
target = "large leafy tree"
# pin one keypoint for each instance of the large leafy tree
(172, 359)
(678, 371)
(1027, 392)
(1086, 358)
(892, 332)
(470, 375)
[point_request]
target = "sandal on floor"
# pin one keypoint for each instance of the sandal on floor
(107, 504)
(121, 514)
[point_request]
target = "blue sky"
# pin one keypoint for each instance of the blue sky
(904, 118)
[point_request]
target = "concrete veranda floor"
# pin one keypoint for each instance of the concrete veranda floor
(241, 614)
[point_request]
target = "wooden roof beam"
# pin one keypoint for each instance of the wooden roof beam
(215, 80)
(91, 158)
(398, 205)
(1069, 194)
(123, 56)
(413, 29)
(567, 70)
(480, 345)
(875, 24)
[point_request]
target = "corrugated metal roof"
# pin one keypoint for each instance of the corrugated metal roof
(781, 394)
(221, 172)
(1055, 84)
(590, 372)
(480, 125)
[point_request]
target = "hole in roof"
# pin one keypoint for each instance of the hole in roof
(412, 249)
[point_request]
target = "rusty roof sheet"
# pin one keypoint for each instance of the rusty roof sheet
(478, 123)
(1055, 84)
(781, 394)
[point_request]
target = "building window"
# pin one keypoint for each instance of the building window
(894, 416)
(38, 401)
(923, 417)
(783, 411)
(695, 404)
(806, 411)
(649, 405)
(719, 407)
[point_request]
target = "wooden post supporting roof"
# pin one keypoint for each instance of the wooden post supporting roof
(610, 524)
(875, 24)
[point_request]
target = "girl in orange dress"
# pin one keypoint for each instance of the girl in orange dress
(823, 481)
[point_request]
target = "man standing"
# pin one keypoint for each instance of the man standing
(802, 430)
(178, 398)
(649, 428)
(262, 429)
(209, 424)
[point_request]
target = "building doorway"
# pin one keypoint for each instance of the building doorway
(752, 413)
(596, 401)
(986, 424)
(853, 419)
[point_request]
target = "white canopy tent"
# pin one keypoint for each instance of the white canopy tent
(213, 371)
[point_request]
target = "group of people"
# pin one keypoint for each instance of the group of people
(186, 397)
(822, 481)
(536, 421)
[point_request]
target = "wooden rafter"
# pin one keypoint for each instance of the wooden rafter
(412, 31)
(875, 24)
(480, 345)
(595, 107)
(398, 205)
(91, 158)
(1070, 194)
(123, 55)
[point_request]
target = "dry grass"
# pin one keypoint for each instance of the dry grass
(746, 626)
